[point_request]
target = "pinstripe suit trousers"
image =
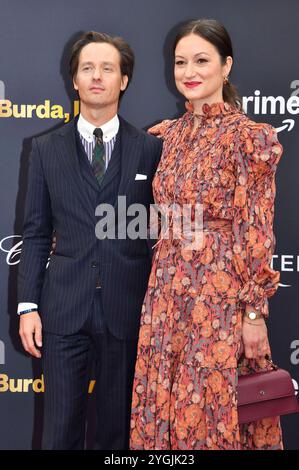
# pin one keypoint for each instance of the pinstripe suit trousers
(66, 368)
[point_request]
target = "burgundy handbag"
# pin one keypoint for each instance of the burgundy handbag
(265, 394)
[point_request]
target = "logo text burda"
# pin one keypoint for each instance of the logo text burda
(41, 111)
(21, 385)
(14, 385)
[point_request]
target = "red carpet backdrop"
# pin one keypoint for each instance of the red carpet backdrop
(36, 96)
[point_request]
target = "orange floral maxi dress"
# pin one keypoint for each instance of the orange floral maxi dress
(190, 344)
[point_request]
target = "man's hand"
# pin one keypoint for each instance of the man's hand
(31, 333)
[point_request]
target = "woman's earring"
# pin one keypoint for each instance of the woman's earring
(189, 106)
(225, 80)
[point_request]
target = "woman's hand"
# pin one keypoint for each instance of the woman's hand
(255, 338)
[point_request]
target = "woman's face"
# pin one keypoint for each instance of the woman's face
(198, 70)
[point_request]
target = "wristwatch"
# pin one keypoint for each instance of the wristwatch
(252, 315)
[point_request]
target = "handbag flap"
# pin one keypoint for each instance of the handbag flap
(262, 386)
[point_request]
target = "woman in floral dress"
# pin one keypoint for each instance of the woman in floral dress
(203, 317)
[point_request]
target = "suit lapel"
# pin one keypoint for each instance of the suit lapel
(131, 147)
(65, 143)
(113, 166)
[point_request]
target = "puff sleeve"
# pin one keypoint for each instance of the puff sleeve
(160, 130)
(253, 239)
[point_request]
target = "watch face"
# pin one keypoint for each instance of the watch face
(252, 315)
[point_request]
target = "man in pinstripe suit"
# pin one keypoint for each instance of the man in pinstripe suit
(88, 301)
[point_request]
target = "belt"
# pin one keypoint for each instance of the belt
(209, 225)
(221, 225)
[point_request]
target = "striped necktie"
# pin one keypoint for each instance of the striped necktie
(98, 155)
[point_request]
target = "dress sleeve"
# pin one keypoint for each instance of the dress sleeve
(253, 239)
(160, 130)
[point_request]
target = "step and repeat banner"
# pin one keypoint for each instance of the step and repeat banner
(36, 96)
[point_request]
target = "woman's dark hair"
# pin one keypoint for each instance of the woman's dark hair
(215, 33)
(125, 51)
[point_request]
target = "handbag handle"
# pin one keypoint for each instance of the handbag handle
(269, 360)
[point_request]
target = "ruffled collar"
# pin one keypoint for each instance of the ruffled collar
(213, 110)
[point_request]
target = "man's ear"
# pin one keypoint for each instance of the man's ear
(124, 82)
(74, 84)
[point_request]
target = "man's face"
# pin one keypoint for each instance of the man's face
(98, 79)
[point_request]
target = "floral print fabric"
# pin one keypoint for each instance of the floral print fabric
(190, 346)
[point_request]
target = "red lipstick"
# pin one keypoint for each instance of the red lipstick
(192, 84)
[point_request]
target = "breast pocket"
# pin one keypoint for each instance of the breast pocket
(140, 192)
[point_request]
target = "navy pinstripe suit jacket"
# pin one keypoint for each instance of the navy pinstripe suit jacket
(58, 198)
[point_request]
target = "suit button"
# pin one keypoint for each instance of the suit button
(94, 264)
